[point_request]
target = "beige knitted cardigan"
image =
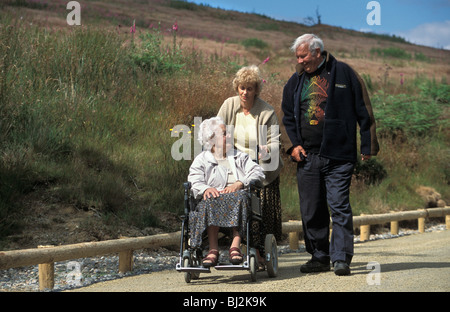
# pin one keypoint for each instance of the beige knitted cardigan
(265, 116)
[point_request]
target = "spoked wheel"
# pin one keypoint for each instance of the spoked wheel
(270, 247)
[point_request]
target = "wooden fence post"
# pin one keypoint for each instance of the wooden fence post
(421, 223)
(46, 274)
(364, 231)
(447, 222)
(394, 226)
(293, 239)
(125, 261)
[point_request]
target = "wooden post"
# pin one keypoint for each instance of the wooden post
(125, 261)
(46, 274)
(365, 232)
(421, 224)
(293, 239)
(447, 222)
(394, 226)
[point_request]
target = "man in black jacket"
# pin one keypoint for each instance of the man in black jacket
(322, 103)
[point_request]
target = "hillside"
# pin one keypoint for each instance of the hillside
(217, 31)
(56, 205)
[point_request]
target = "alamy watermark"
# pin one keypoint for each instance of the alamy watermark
(374, 16)
(74, 275)
(374, 277)
(74, 17)
(268, 154)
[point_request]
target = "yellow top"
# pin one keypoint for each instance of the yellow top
(245, 134)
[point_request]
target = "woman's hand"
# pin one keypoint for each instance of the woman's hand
(211, 192)
(263, 152)
(236, 186)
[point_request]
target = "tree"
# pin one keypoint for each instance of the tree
(311, 21)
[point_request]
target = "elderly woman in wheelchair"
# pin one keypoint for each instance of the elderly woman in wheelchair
(218, 176)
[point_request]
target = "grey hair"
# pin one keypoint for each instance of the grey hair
(312, 40)
(209, 130)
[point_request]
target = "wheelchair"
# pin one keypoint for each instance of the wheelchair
(190, 259)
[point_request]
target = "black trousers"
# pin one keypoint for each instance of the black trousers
(324, 183)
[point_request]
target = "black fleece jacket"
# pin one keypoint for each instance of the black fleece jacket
(348, 104)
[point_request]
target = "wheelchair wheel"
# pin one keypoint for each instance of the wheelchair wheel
(195, 263)
(270, 247)
(187, 275)
(253, 268)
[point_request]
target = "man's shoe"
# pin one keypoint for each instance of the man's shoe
(341, 268)
(314, 266)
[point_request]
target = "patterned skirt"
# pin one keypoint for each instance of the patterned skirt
(271, 207)
(226, 211)
(271, 210)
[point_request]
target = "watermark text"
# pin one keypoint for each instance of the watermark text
(74, 17)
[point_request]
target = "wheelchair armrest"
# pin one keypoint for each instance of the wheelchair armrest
(255, 185)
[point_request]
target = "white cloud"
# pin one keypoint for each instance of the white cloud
(435, 35)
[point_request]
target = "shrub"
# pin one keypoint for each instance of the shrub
(152, 58)
(436, 91)
(391, 52)
(411, 115)
(421, 57)
(183, 5)
(254, 43)
(370, 171)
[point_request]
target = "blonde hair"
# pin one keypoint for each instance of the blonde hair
(248, 75)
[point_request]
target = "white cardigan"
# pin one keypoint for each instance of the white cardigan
(205, 172)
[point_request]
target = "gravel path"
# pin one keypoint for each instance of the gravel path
(83, 272)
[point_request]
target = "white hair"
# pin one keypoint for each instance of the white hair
(312, 40)
(209, 130)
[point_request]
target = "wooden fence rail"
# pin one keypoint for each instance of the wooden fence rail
(46, 256)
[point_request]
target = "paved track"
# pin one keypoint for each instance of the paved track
(419, 262)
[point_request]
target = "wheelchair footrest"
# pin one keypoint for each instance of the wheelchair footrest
(224, 267)
(193, 269)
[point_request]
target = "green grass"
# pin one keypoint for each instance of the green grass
(85, 121)
(391, 52)
(255, 43)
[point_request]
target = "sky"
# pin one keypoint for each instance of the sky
(424, 22)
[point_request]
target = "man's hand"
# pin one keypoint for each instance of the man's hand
(295, 154)
(365, 157)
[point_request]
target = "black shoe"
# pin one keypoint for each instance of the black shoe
(341, 268)
(314, 266)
